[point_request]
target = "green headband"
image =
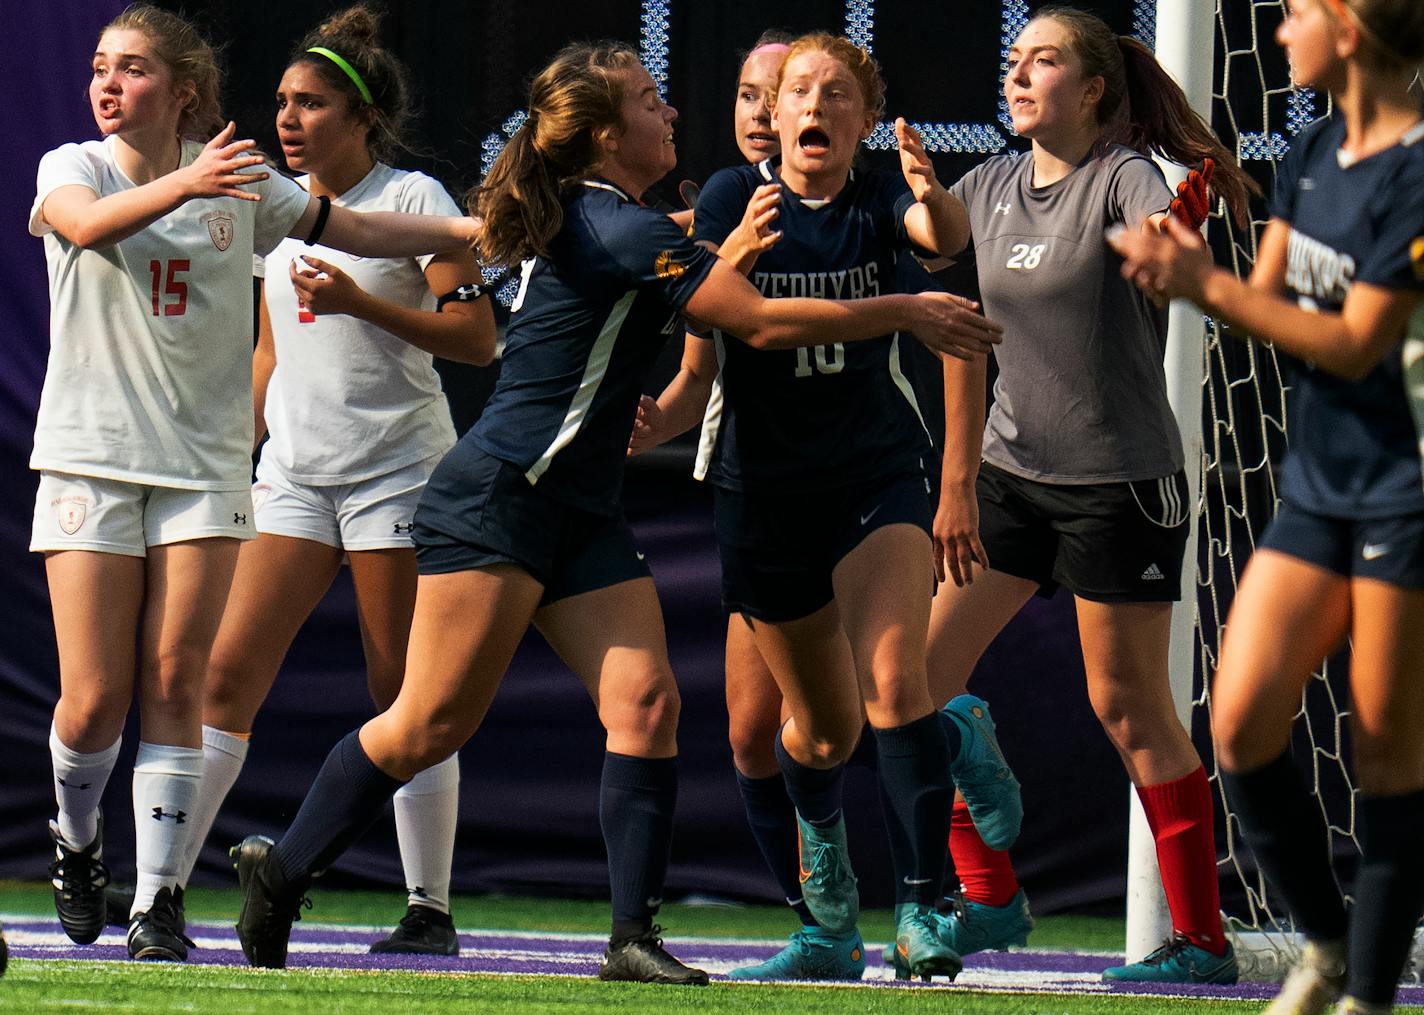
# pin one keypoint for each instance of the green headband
(350, 72)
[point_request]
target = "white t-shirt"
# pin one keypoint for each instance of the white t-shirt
(348, 400)
(150, 364)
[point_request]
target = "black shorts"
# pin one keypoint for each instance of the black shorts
(478, 510)
(778, 549)
(1384, 549)
(1108, 542)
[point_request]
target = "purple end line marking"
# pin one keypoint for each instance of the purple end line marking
(476, 945)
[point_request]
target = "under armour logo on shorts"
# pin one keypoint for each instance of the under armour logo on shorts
(403, 528)
(239, 519)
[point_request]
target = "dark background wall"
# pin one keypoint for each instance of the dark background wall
(529, 795)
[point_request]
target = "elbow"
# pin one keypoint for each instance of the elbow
(482, 355)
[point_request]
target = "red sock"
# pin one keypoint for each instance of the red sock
(986, 875)
(1180, 815)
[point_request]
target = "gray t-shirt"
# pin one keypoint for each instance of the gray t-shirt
(1081, 396)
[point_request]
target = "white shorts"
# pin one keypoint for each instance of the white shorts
(373, 514)
(115, 516)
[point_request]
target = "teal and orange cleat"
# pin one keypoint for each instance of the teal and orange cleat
(814, 953)
(919, 949)
(827, 882)
(975, 927)
(982, 775)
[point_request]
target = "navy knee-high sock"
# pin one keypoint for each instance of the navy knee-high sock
(1286, 831)
(636, 802)
(816, 792)
(772, 818)
(344, 801)
(917, 794)
(1389, 893)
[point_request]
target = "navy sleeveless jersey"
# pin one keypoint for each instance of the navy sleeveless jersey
(1355, 445)
(586, 327)
(836, 414)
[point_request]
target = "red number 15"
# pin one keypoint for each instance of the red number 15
(172, 286)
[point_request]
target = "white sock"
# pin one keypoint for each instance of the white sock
(427, 808)
(223, 756)
(165, 793)
(79, 781)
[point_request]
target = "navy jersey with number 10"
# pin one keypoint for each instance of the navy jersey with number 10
(833, 415)
(586, 327)
(1355, 445)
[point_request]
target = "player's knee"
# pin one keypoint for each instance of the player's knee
(651, 710)
(752, 738)
(90, 719)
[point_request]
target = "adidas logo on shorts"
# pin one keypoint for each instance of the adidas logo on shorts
(1153, 574)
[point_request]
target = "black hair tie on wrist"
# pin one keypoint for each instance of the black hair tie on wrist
(321, 215)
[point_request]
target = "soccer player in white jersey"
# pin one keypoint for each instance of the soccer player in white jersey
(1337, 282)
(1077, 478)
(144, 434)
(345, 388)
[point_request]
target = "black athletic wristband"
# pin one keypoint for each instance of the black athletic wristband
(320, 224)
(461, 294)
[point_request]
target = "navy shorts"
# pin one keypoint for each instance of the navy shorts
(778, 549)
(1384, 549)
(478, 510)
(1107, 542)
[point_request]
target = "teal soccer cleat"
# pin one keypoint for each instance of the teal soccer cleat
(981, 774)
(919, 949)
(1177, 961)
(974, 927)
(814, 953)
(827, 882)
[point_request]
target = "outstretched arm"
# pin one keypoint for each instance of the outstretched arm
(937, 220)
(87, 220)
(947, 324)
(1177, 264)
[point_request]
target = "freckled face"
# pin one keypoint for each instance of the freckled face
(820, 115)
(131, 88)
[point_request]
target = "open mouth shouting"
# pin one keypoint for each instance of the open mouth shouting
(814, 141)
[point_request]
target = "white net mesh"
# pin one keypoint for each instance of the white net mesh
(1244, 438)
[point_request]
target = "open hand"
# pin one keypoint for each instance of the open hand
(217, 171)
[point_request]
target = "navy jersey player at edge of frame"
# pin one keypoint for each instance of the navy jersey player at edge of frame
(832, 415)
(588, 323)
(1354, 452)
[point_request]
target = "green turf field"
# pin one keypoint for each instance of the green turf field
(33, 986)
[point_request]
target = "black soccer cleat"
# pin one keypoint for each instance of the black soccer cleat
(422, 931)
(120, 899)
(643, 959)
(269, 904)
(157, 934)
(79, 877)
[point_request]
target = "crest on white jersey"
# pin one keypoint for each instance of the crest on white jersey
(220, 228)
(70, 511)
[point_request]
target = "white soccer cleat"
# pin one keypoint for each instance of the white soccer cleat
(1315, 981)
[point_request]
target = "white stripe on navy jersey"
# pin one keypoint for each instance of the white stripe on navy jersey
(593, 373)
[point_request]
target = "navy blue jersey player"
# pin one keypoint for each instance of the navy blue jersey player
(819, 459)
(521, 524)
(1337, 283)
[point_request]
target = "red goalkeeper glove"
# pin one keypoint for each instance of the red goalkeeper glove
(1192, 204)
